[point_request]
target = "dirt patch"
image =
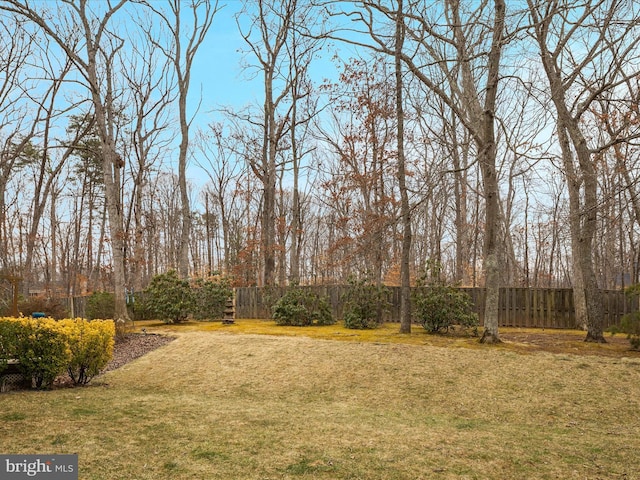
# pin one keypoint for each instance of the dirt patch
(567, 342)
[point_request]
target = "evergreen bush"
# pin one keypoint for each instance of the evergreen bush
(210, 297)
(42, 350)
(440, 306)
(140, 309)
(91, 346)
(100, 305)
(630, 324)
(364, 303)
(302, 307)
(169, 297)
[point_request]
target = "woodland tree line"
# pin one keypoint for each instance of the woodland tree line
(499, 140)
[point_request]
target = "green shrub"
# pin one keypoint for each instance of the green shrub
(271, 295)
(45, 347)
(364, 304)
(91, 347)
(302, 307)
(630, 324)
(439, 306)
(172, 299)
(8, 341)
(210, 298)
(140, 308)
(42, 350)
(169, 297)
(100, 305)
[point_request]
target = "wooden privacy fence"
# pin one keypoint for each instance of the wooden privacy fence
(518, 307)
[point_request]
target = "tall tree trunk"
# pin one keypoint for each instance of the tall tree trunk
(573, 187)
(405, 208)
(269, 152)
(294, 254)
(494, 261)
(138, 269)
(4, 238)
(460, 193)
(54, 238)
(282, 235)
(112, 165)
(185, 235)
(202, 13)
(582, 182)
(584, 225)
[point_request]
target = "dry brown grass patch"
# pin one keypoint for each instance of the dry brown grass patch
(520, 340)
(216, 405)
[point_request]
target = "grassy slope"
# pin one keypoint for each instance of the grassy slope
(215, 405)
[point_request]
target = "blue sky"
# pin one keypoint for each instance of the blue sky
(217, 70)
(218, 77)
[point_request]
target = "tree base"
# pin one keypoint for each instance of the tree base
(490, 338)
(595, 338)
(122, 326)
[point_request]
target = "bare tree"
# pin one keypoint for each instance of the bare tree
(181, 56)
(83, 35)
(16, 131)
(301, 48)
(462, 49)
(362, 135)
(46, 160)
(607, 32)
(405, 207)
(152, 86)
(223, 171)
(266, 37)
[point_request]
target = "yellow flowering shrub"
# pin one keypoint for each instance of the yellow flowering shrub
(46, 347)
(42, 350)
(91, 344)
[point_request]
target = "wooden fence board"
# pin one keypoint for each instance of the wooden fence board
(518, 307)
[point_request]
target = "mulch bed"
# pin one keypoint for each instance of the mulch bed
(135, 345)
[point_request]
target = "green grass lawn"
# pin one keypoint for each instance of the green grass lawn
(219, 405)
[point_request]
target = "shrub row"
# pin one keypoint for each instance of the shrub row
(438, 306)
(46, 348)
(174, 300)
(169, 298)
